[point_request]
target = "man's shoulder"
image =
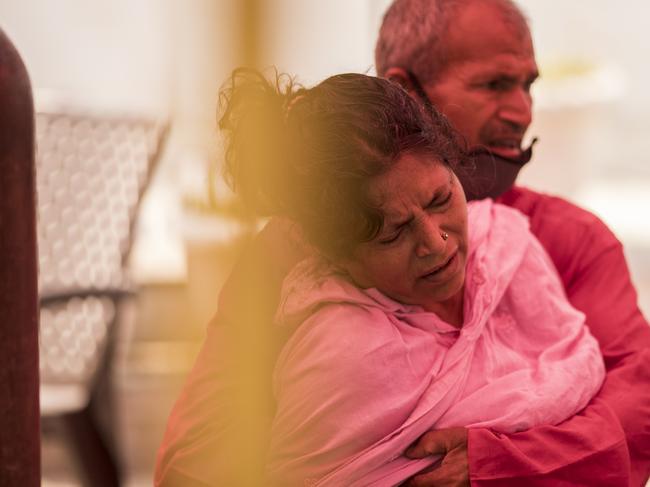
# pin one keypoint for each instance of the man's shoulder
(572, 236)
(542, 205)
(552, 213)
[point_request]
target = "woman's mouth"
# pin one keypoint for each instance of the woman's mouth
(434, 273)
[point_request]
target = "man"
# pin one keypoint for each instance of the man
(474, 60)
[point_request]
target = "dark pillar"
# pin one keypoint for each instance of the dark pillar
(20, 462)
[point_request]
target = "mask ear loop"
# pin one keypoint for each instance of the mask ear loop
(419, 90)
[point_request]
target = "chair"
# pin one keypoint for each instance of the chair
(19, 418)
(91, 173)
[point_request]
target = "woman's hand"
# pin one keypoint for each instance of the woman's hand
(453, 471)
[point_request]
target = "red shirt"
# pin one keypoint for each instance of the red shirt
(608, 443)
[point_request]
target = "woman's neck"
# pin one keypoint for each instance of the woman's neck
(450, 310)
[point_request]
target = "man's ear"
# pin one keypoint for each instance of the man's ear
(401, 77)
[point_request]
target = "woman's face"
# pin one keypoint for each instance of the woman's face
(410, 260)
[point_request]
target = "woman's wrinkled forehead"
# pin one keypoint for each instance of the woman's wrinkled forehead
(412, 178)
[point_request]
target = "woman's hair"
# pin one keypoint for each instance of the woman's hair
(309, 154)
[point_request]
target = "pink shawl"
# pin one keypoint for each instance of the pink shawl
(364, 376)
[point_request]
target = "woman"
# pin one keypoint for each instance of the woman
(414, 310)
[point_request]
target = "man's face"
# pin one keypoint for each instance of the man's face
(485, 88)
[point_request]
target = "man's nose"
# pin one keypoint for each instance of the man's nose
(431, 238)
(516, 107)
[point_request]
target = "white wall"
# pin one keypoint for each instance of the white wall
(100, 53)
(314, 39)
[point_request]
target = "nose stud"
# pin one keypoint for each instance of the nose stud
(444, 236)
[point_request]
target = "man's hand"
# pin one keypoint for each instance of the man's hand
(453, 470)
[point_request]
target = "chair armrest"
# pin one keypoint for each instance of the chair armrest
(52, 297)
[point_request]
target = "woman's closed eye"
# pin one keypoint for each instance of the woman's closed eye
(391, 238)
(438, 201)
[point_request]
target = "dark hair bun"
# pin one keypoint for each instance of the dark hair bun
(253, 114)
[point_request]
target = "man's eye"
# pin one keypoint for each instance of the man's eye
(498, 85)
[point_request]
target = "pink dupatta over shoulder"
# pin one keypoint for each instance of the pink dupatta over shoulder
(364, 376)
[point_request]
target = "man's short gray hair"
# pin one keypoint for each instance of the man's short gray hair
(413, 32)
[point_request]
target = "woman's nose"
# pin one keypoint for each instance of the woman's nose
(431, 238)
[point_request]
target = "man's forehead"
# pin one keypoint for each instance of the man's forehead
(483, 32)
(500, 65)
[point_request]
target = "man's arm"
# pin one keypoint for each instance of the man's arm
(217, 432)
(608, 443)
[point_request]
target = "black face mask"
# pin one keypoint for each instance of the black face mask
(486, 175)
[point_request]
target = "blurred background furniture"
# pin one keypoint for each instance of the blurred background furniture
(19, 418)
(92, 171)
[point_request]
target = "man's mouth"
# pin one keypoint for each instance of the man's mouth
(508, 148)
